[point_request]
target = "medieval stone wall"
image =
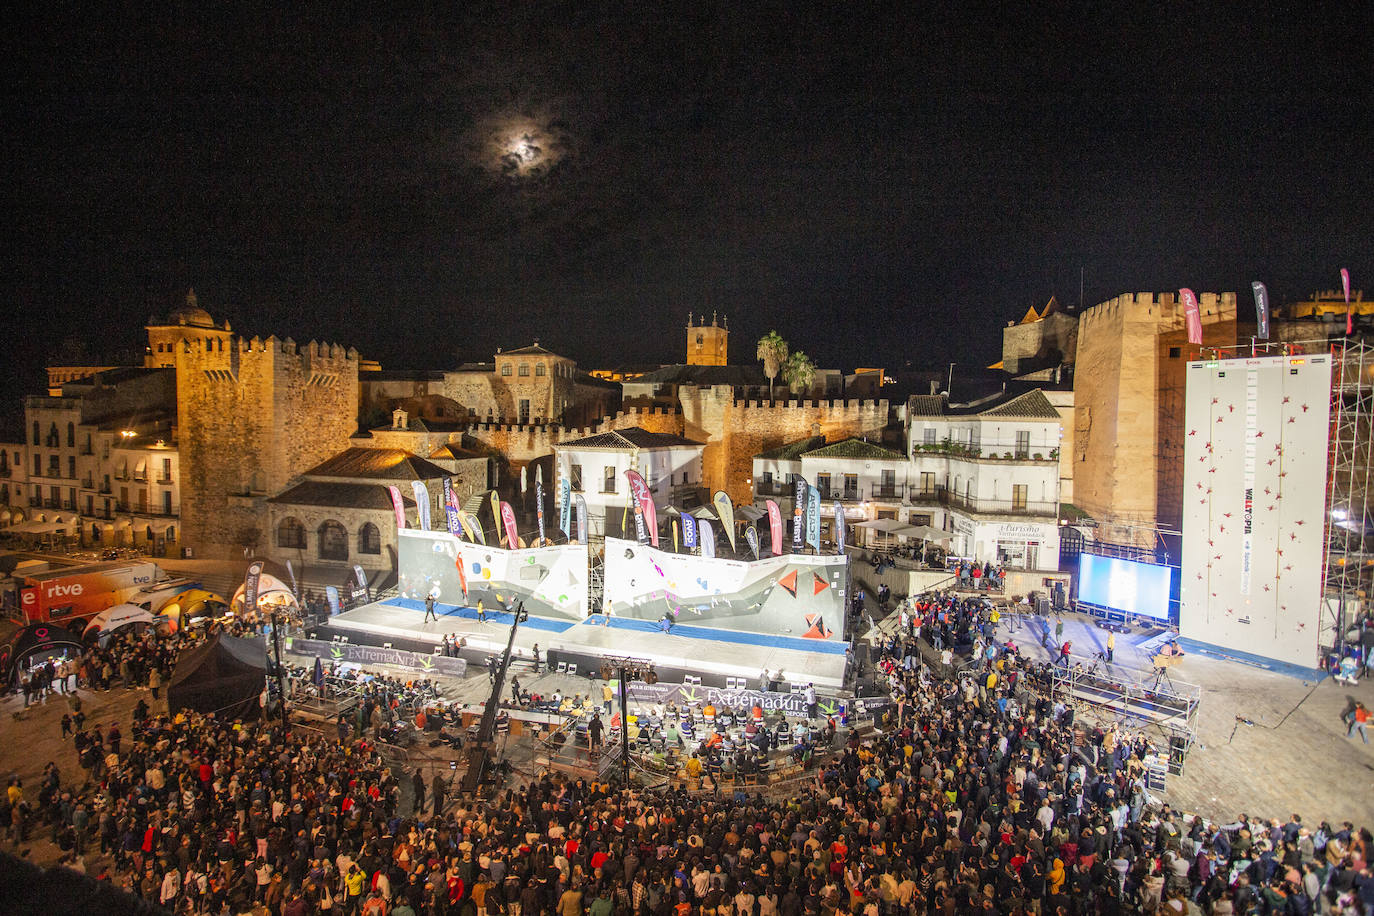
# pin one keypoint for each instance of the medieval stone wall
(252, 417)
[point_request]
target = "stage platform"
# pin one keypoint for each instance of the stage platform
(711, 654)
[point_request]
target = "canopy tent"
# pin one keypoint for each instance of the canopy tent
(749, 513)
(36, 639)
(225, 676)
(272, 593)
(927, 533)
(887, 526)
(192, 604)
(112, 618)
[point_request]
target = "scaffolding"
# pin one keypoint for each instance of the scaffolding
(1142, 701)
(1348, 558)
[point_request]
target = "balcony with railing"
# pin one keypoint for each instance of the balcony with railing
(1000, 506)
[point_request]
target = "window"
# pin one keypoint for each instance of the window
(928, 435)
(524, 410)
(37, 438)
(333, 541)
(290, 533)
(1018, 497)
(1174, 352)
(1023, 443)
(540, 369)
(927, 483)
(166, 502)
(765, 486)
(575, 473)
(38, 465)
(71, 435)
(608, 479)
(506, 370)
(851, 486)
(71, 466)
(524, 370)
(369, 539)
(823, 485)
(166, 470)
(888, 488)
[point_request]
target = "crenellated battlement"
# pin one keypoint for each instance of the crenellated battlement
(837, 405)
(1159, 307)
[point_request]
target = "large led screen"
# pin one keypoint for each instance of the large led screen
(1124, 585)
(790, 595)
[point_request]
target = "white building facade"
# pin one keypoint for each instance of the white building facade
(596, 466)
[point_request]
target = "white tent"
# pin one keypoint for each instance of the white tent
(927, 533)
(272, 593)
(888, 526)
(112, 618)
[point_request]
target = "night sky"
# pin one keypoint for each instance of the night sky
(882, 187)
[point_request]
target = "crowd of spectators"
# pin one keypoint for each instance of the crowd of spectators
(976, 794)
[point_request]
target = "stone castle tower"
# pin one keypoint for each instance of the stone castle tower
(252, 416)
(707, 344)
(1132, 356)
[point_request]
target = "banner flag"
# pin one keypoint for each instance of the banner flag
(1261, 310)
(774, 528)
(751, 535)
(839, 527)
(674, 524)
(726, 510)
(581, 519)
(462, 573)
(455, 524)
(421, 503)
(1349, 315)
(646, 515)
(565, 505)
(708, 537)
(399, 505)
(508, 519)
(1193, 316)
(331, 594)
(522, 480)
(813, 518)
(689, 532)
(250, 586)
(539, 502)
(800, 492)
(474, 527)
(362, 582)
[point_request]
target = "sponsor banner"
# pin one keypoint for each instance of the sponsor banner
(792, 704)
(455, 524)
(813, 518)
(508, 520)
(250, 585)
(774, 528)
(752, 536)
(708, 537)
(539, 502)
(726, 511)
(421, 504)
(362, 583)
(689, 532)
(839, 527)
(1193, 316)
(372, 655)
(581, 518)
(799, 495)
(496, 515)
(646, 515)
(398, 505)
(565, 505)
(331, 594)
(1261, 310)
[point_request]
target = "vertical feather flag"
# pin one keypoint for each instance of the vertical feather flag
(421, 503)
(455, 524)
(813, 518)
(1349, 315)
(539, 500)
(581, 519)
(708, 538)
(774, 528)
(689, 532)
(398, 506)
(250, 586)
(800, 494)
(752, 536)
(726, 511)
(646, 515)
(1261, 310)
(508, 519)
(839, 527)
(496, 514)
(565, 505)
(1193, 316)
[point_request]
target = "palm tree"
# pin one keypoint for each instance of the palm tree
(773, 351)
(799, 372)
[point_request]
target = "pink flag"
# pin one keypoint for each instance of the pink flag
(775, 527)
(646, 515)
(508, 519)
(1193, 315)
(399, 506)
(1349, 315)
